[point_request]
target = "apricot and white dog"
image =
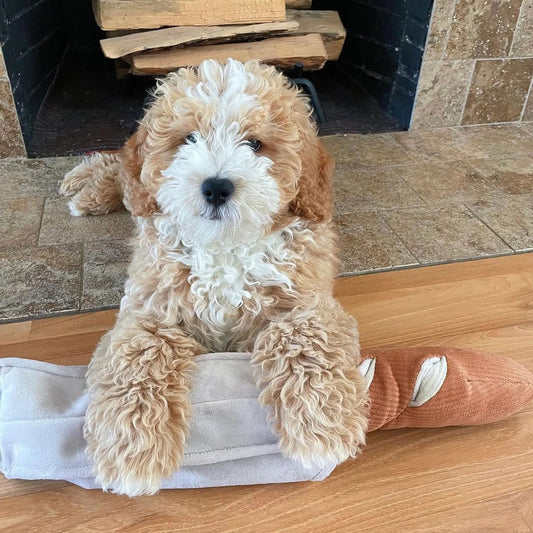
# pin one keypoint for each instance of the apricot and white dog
(231, 191)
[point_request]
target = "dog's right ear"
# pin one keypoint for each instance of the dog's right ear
(137, 198)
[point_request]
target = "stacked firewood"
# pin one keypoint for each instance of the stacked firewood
(279, 32)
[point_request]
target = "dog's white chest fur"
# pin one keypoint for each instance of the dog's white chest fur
(223, 282)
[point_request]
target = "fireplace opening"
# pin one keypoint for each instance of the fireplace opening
(70, 101)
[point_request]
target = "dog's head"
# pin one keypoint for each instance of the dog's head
(225, 152)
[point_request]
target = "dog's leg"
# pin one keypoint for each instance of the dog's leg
(137, 419)
(94, 185)
(306, 367)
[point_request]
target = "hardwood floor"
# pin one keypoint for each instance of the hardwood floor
(451, 479)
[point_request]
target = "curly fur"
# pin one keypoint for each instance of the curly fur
(255, 275)
(94, 185)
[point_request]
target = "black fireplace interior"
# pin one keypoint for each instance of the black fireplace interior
(70, 102)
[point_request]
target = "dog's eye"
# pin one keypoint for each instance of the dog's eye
(254, 144)
(191, 138)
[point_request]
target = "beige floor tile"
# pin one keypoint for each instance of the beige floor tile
(440, 144)
(39, 280)
(508, 176)
(367, 150)
(20, 178)
(362, 188)
(20, 220)
(444, 183)
(367, 243)
(511, 218)
(104, 273)
(60, 227)
(499, 140)
(444, 233)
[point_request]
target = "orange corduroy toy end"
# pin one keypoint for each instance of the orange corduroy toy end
(437, 386)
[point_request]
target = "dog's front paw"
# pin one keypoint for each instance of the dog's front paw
(318, 427)
(306, 367)
(135, 438)
(128, 483)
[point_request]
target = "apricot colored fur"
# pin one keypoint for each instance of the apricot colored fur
(179, 300)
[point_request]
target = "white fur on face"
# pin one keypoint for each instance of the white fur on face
(223, 153)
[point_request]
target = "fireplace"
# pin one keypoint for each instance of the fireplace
(384, 47)
(405, 64)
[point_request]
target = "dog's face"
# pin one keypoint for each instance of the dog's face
(225, 152)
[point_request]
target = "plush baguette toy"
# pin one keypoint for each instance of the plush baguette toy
(435, 387)
(42, 408)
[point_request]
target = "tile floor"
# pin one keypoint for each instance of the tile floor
(402, 199)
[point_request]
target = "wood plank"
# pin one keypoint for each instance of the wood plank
(115, 47)
(146, 14)
(399, 316)
(282, 52)
(523, 501)
(430, 275)
(473, 518)
(513, 341)
(50, 328)
(327, 23)
(20, 487)
(15, 332)
(298, 4)
(72, 350)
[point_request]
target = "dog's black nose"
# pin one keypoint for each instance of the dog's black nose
(217, 191)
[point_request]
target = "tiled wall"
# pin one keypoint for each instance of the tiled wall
(11, 143)
(478, 64)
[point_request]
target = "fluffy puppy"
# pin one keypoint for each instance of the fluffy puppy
(231, 190)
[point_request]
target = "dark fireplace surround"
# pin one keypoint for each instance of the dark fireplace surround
(53, 59)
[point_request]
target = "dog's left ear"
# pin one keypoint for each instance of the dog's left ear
(137, 198)
(314, 200)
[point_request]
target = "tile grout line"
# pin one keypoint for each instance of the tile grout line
(526, 100)
(41, 222)
(517, 27)
(499, 58)
(378, 212)
(437, 128)
(390, 136)
(413, 190)
(467, 92)
(487, 226)
(432, 264)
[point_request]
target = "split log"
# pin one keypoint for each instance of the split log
(168, 37)
(298, 4)
(146, 14)
(327, 23)
(283, 52)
